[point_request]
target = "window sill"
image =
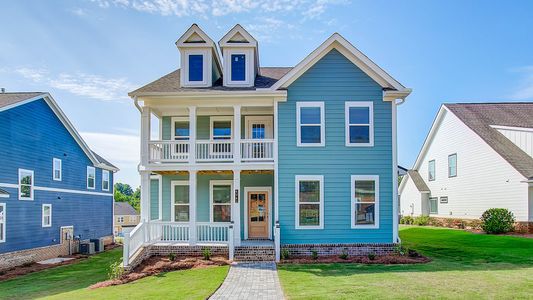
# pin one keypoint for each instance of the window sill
(309, 227)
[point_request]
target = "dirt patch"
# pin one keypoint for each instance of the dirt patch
(35, 267)
(159, 264)
(391, 259)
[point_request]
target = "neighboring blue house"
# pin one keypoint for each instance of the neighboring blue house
(258, 159)
(53, 186)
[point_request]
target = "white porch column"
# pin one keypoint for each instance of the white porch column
(276, 220)
(192, 134)
(237, 133)
(145, 135)
(145, 196)
(236, 206)
(192, 205)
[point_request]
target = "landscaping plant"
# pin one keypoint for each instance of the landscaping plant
(343, 255)
(406, 220)
(371, 256)
(497, 220)
(285, 254)
(172, 256)
(314, 254)
(206, 253)
(421, 220)
(116, 270)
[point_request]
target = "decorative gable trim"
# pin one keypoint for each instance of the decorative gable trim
(336, 41)
(237, 37)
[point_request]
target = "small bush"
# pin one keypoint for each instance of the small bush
(314, 254)
(497, 220)
(116, 270)
(412, 253)
(421, 220)
(285, 254)
(401, 250)
(406, 220)
(172, 256)
(343, 255)
(371, 256)
(206, 253)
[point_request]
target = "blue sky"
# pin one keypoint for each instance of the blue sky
(89, 54)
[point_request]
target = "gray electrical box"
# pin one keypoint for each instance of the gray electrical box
(98, 244)
(86, 247)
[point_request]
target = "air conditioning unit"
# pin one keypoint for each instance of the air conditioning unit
(86, 247)
(98, 244)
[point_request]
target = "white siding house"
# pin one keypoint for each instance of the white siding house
(473, 165)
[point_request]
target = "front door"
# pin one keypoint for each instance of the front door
(258, 215)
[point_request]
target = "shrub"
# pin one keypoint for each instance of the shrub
(421, 220)
(172, 256)
(314, 254)
(497, 220)
(407, 220)
(285, 254)
(412, 253)
(343, 255)
(371, 256)
(401, 250)
(116, 270)
(206, 253)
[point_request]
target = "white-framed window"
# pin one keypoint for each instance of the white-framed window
(120, 220)
(2, 222)
(180, 201)
(47, 215)
(91, 178)
(221, 128)
(452, 165)
(26, 184)
(431, 170)
(310, 124)
(105, 180)
(196, 67)
(359, 123)
(309, 201)
(220, 200)
(180, 128)
(238, 67)
(57, 169)
(365, 201)
(434, 205)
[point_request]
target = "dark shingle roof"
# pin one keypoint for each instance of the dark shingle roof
(103, 160)
(480, 116)
(418, 181)
(170, 83)
(13, 98)
(3, 193)
(124, 209)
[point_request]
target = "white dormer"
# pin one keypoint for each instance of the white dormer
(241, 58)
(200, 62)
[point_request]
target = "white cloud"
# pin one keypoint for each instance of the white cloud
(525, 88)
(264, 29)
(80, 12)
(81, 84)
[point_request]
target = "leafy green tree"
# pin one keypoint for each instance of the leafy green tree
(124, 193)
(124, 188)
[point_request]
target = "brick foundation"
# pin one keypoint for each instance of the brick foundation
(337, 249)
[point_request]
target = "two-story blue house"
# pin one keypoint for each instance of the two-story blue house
(252, 160)
(53, 187)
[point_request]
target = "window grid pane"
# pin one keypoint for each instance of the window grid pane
(364, 202)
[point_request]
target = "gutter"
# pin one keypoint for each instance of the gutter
(136, 102)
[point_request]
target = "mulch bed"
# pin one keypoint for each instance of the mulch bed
(35, 267)
(159, 264)
(391, 259)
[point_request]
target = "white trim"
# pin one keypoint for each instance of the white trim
(42, 215)
(374, 178)
(160, 197)
(298, 179)
(108, 180)
(54, 160)
(276, 179)
(219, 182)
(395, 197)
(47, 189)
(513, 128)
(173, 121)
(347, 106)
(174, 183)
(32, 185)
(206, 71)
(209, 43)
(224, 41)
(4, 223)
(268, 190)
(89, 168)
(322, 124)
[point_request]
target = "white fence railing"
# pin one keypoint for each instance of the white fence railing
(253, 150)
(212, 233)
(214, 150)
(169, 151)
(133, 241)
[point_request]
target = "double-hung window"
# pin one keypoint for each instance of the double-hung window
(56, 166)
(47, 215)
(310, 123)
(120, 219)
(365, 201)
(180, 201)
(25, 184)
(2, 222)
(181, 132)
(452, 165)
(434, 205)
(431, 170)
(105, 180)
(238, 67)
(309, 202)
(91, 178)
(196, 67)
(220, 192)
(359, 123)
(221, 130)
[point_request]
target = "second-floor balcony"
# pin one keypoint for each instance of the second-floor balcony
(205, 151)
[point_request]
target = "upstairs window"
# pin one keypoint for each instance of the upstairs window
(105, 180)
(56, 165)
(180, 196)
(359, 119)
(180, 128)
(91, 177)
(25, 184)
(365, 201)
(452, 165)
(47, 215)
(238, 67)
(310, 124)
(221, 128)
(309, 202)
(431, 170)
(196, 67)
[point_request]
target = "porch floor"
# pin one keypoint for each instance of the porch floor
(257, 243)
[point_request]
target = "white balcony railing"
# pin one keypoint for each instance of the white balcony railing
(169, 151)
(214, 150)
(254, 150)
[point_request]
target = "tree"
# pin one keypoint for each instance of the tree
(124, 188)
(124, 193)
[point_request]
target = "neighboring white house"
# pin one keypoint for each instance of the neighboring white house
(475, 157)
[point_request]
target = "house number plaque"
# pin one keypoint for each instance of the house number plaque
(236, 196)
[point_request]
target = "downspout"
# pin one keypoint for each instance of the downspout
(139, 108)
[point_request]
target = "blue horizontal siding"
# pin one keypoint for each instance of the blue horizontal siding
(335, 80)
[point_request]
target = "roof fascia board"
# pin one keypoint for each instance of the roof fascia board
(224, 41)
(8, 107)
(218, 94)
(427, 142)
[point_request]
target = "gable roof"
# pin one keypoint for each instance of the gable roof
(170, 83)
(12, 100)
(195, 37)
(237, 30)
(419, 182)
(124, 209)
(336, 41)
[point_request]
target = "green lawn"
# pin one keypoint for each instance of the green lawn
(71, 282)
(464, 266)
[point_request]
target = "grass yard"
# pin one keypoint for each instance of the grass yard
(71, 282)
(464, 266)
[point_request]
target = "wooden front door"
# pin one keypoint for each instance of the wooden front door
(258, 215)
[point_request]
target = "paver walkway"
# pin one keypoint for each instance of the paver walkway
(256, 281)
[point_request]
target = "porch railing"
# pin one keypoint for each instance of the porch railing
(169, 151)
(253, 150)
(214, 150)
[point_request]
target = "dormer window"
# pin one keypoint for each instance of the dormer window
(196, 67)
(238, 67)
(241, 59)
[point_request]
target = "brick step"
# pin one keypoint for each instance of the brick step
(254, 253)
